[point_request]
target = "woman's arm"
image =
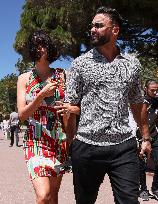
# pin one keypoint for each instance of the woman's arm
(25, 110)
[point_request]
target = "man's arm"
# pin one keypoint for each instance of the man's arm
(140, 115)
(70, 127)
(73, 96)
(69, 113)
(9, 122)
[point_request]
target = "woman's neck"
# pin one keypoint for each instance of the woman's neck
(43, 69)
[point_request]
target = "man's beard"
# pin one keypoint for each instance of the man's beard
(102, 40)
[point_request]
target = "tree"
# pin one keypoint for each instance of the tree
(8, 93)
(149, 68)
(23, 66)
(67, 22)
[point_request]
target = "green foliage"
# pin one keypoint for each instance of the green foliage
(149, 68)
(67, 23)
(8, 93)
(23, 66)
(21, 43)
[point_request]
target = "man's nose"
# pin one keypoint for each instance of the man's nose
(93, 29)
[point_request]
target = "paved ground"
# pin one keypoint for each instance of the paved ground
(15, 187)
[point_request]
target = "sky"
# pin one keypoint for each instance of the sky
(10, 12)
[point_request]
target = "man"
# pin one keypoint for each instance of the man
(151, 104)
(14, 128)
(103, 81)
(5, 127)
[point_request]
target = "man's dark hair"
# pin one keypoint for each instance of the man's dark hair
(150, 81)
(112, 14)
(38, 39)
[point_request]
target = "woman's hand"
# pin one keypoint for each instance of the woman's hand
(49, 89)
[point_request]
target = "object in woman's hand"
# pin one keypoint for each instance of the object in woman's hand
(50, 122)
(50, 100)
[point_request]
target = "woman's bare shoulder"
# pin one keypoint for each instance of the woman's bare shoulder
(24, 76)
(23, 79)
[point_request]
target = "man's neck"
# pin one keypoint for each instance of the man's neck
(108, 51)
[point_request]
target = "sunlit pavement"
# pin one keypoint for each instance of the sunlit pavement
(16, 188)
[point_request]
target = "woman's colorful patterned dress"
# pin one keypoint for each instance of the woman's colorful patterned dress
(45, 139)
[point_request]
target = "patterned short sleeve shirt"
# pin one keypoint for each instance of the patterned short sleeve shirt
(104, 91)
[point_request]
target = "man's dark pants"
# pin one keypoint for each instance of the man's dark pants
(90, 163)
(143, 168)
(14, 129)
(155, 159)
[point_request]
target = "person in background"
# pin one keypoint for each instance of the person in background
(103, 82)
(151, 105)
(14, 128)
(1, 120)
(45, 141)
(6, 127)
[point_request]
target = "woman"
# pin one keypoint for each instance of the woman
(45, 146)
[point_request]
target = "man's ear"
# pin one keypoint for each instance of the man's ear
(145, 90)
(116, 30)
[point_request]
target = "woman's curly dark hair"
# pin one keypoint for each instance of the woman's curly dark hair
(38, 39)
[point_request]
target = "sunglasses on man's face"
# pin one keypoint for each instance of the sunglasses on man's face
(99, 25)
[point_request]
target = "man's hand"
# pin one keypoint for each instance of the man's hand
(145, 148)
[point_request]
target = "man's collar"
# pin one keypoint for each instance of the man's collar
(94, 54)
(97, 54)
